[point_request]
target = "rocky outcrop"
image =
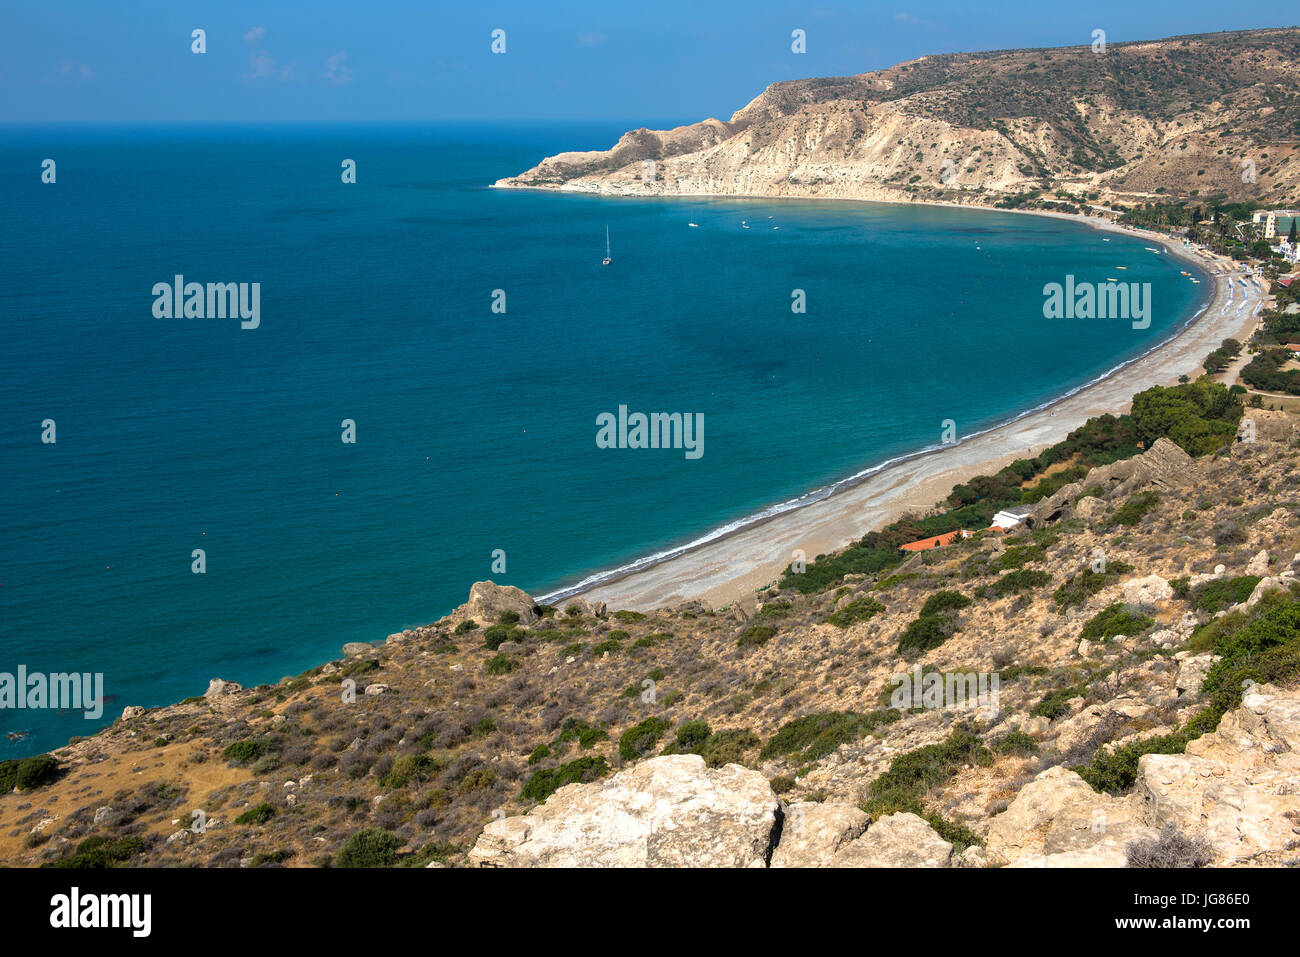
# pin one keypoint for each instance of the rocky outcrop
(220, 689)
(1150, 590)
(669, 811)
(812, 833)
(1058, 813)
(1238, 787)
(487, 601)
(897, 840)
(1165, 465)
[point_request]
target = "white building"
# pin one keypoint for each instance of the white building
(1011, 517)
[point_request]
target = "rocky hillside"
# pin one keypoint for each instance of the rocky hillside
(1173, 118)
(1143, 629)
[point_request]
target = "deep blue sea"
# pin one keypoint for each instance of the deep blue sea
(475, 430)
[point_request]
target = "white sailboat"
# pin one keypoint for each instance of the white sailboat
(606, 261)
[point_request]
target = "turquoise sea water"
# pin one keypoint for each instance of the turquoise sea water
(475, 431)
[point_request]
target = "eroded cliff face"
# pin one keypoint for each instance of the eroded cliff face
(1184, 117)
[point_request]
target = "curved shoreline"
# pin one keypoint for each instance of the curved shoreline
(729, 562)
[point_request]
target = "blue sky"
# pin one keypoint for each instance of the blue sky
(130, 60)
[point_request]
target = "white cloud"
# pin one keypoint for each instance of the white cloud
(337, 70)
(255, 35)
(68, 68)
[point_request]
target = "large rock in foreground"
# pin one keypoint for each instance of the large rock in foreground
(668, 811)
(1239, 786)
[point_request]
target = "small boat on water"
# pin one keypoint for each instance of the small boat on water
(693, 225)
(607, 260)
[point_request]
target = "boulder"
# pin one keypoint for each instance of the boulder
(1150, 590)
(811, 833)
(132, 711)
(1265, 586)
(220, 689)
(1239, 786)
(1259, 564)
(896, 840)
(587, 608)
(354, 649)
(668, 811)
(487, 600)
(1059, 813)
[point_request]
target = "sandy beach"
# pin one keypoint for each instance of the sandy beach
(729, 569)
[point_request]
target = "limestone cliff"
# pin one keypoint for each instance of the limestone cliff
(1182, 117)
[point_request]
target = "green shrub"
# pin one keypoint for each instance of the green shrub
(100, 852)
(1023, 579)
(26, 774)
(629, 616)
(861, 609)
(257, 815)
(545, 783)
(587, 735)
(1086, 583)
(814, 736)
(469, 624)
(508, 617)
(1017, 743)
(1215, 595)
(925, 633)
(691, 736)
(494, 636)
(1132, 511)
(501, 664)
(607, 646)
(1017, 556)
(241, 752)
(728, 747)
(640, 738)
(755, 635)
(1117, 619)
(372, 847)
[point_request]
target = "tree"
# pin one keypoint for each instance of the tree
(1291, 235)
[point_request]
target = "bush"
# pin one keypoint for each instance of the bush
(861, 609)
(936, 623)
(1114, 620)
(372, 847)
(500, 665)
(1132, 511)
(545, 783)
(641, 738)
(242, 752)
(629, 616)
(257, 815)
(755, 635)
(100, 852)
(1170, 849)
(816, 735)
(27, 773)
(1017, 743)
(691, 736)
(1022, 580)
(469, 624)
(1214, 595)
(728, 747)
(1086, 583)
